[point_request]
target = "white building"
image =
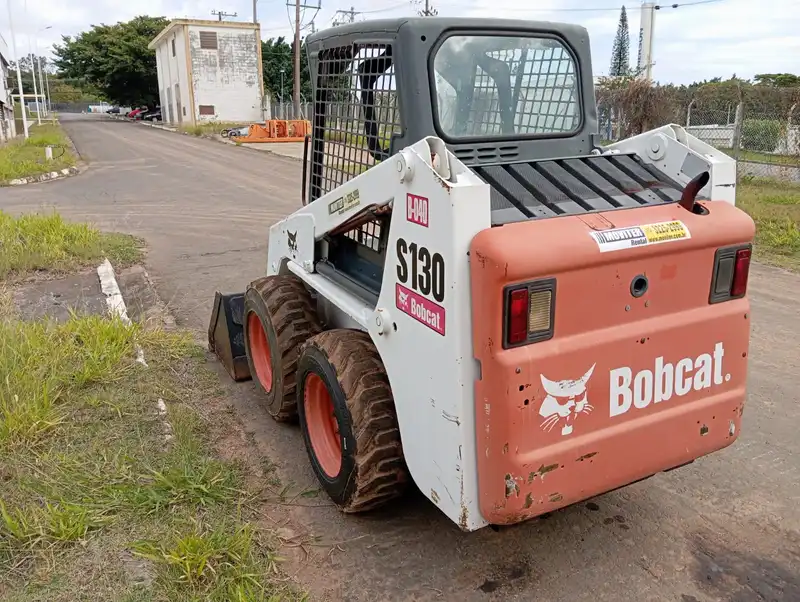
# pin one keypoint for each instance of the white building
(7, 129)
(209, 70)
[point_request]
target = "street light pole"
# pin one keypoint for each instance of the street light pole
(41, 78)
(33, 75)
(19, 73)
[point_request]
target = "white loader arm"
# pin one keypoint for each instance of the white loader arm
(681, 156)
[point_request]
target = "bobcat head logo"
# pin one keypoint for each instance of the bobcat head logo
(292, 239)
(565, 400)
(403, 298)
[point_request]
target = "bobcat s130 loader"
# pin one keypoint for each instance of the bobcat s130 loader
(478, 297)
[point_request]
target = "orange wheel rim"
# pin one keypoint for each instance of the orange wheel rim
(259, 351)
(323, 428)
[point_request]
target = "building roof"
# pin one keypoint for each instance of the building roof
(202, 22)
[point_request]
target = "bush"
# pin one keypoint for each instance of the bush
(762, 134)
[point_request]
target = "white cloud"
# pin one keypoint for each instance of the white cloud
(692, 42)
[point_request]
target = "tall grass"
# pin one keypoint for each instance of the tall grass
(774, 205)
(22, 158)
(47, 242)
(87, 475)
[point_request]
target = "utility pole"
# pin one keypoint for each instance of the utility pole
(19, 73)
(645, 63)
(297, 59)
(428, 11)
(255, 11)
(298, 4)
(348, 16)
(221, 13)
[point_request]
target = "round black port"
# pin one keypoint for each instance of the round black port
(639, 286)
(423, 38)
(699, 209)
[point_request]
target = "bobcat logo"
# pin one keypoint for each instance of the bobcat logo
(292, 240)
(403, 297)
(565, 400)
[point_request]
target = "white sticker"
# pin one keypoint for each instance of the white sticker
(640, 236)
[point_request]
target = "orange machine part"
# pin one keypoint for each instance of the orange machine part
(276, 130)
(538, 452)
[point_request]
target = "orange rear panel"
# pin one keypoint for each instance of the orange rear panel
(627, 387)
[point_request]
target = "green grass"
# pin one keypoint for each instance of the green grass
(774, 205)
(98, 499)
(211, 127)
(46, 242)
(757, 157)
(21, 158)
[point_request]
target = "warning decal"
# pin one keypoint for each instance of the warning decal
(640, 236)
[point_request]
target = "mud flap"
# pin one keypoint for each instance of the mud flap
(226, 334)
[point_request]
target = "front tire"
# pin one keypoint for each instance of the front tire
(348, 420)
(279, 316)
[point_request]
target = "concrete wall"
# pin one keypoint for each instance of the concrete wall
(7, 126)
(227, 78)
(173, 78)
(716, 135)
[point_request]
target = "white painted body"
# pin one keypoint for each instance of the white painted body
(432, 375)
(227, 78)
(681, 156)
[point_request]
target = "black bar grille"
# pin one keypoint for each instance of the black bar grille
(551, 188)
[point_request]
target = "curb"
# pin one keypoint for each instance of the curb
(116, 305)
(212, 138)
(46, 177)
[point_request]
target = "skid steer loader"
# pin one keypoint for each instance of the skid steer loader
(478, 297)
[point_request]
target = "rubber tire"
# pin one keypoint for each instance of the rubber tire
(373, 469)
(288, 316)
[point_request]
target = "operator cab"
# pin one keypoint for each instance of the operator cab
(514, 103)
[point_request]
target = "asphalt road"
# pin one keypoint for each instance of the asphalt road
(726, 528)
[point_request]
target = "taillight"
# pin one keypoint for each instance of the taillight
(731, 270)
(518, 316)
(529, 312)
(740, 273)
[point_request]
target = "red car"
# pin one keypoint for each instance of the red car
(134, 113)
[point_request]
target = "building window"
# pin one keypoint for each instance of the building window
(208, 40)
(173, 46)
(207, 110)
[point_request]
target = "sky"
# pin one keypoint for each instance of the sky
(697, 40)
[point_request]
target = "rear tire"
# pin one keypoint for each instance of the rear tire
(279, 316)
(348, 420)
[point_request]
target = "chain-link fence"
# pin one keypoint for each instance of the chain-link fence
(763, 138)
(765, 144)
(285, 110)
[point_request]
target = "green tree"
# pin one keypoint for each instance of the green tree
(777, 80)
(621, 50)
(276, 55)
(114, 59)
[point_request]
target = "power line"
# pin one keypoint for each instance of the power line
(588, 10)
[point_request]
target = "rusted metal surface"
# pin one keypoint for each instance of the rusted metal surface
(629, 386)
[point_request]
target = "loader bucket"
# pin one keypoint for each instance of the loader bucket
(226, 334)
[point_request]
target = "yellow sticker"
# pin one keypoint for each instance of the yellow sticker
(345, 203)
(665, 231)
